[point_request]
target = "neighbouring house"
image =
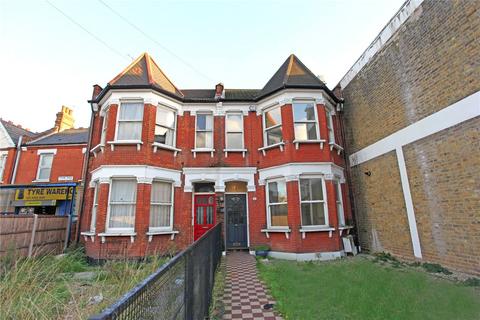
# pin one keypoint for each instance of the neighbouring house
(167, 164)
(412, 120)
(42, 172)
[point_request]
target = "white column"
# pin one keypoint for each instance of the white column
(412, 223)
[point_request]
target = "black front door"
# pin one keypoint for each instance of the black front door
(236, 216)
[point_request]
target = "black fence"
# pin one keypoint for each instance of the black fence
(180, 289)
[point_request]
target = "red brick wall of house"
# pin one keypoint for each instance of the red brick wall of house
(68, 161)
(185, 139)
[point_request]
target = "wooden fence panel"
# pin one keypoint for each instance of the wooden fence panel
(18, 235)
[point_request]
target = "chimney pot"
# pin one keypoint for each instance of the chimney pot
(219, 91)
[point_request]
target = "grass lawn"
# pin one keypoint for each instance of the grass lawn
(46, 288)
(358, 288)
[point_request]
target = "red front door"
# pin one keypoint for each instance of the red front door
(205, 217)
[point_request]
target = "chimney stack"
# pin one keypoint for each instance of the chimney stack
(64, 119)
(219, 91)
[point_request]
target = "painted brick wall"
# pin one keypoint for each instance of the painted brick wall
(431, 62)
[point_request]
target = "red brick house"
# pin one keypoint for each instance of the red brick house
(42, 172)
(166, 164)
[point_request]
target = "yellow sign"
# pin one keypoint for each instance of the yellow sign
(48, 193)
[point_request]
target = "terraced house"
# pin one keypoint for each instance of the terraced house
(167, 164)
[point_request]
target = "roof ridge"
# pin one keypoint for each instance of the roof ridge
(289, 69)
(163, 73)
(127, 68)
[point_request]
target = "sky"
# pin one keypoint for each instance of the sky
(48, 60)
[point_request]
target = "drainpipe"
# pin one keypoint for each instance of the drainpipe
(17, 160)
(84, 175)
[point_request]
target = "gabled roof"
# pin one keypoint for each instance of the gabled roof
(69, 136)
(15, 131)
(292, 74)
(145, 72)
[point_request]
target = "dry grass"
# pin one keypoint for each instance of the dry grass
(45, 287)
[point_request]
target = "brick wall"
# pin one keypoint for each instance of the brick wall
(431, 62)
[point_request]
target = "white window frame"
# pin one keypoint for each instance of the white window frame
(93, 216)
(103, 138)
(174, 128)
(171, 204)
(126, 102)
(330, 127)
(315, 121)
(109, 229)
(3, 162)
(339, 203)
(265, 129)
(267, 197)
(324, 201)
(227, 132)
(41, 155)
(212, 130)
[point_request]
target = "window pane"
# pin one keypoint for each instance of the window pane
(131, 111)
(199, 215)
(164, 135)
(44, 173)
(204, 140)
(46, 160)
(278, 215)
(273, 117)
(209, 215)
(277, 192)
(311, 189)
(234, 122)
(159, 216)
(234, 141)
(305, 131)
(161, 192)
(165, 117)
(303, 111)
(129, 131)
(274, 135)
(123, 191)
(313, 214)
(121, 216)
(204, 122)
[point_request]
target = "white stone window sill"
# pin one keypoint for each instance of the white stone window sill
(341, 228)
(157, 145)
(195, 151)
(118, 234)
(273, 230)
(95, 149)
(87, 234)
(112, 144)
(152, 233)
(333, 145)
(41, 180)
(275, 145)
(304, 230)
(243, 151)
(298, 142)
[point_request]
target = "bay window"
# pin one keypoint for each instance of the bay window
(234, 130)
(277, 211)
(130, 118)
(339, 202)
(305, 121)
(93, 220)
(313, 202)
(204, 131)
(272, 120)
(165, 125)
(44, 166)
(121, 206)
(161, 206)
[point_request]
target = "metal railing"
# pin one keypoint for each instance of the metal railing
(179, 289)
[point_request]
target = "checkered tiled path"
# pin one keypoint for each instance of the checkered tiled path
(244, 295)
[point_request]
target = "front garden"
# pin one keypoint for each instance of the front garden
(365, 288)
